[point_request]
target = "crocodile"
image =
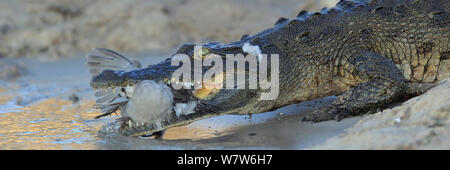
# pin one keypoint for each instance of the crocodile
(369, 53)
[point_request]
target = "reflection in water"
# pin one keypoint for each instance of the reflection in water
(60, 124)
(49, 124)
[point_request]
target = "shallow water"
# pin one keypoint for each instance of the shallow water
(36, 112)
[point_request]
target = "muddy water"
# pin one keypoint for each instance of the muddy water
(51, 108)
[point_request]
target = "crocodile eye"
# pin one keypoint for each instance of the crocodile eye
(201, 54)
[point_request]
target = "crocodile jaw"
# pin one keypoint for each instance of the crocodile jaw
(147, 107)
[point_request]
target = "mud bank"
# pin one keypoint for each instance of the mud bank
(422, 122)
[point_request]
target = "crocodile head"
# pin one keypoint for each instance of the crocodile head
(168, 94)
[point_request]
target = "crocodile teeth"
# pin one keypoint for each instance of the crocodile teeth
(187, 85)
(123, 94)
(199, 84)
(129, 90)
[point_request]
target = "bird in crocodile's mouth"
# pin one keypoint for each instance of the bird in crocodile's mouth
(146, 97)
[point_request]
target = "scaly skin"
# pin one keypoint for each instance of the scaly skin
(370, 53)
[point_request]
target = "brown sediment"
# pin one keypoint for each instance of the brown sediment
(422, 122)
(189, 132)
(3, 97)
